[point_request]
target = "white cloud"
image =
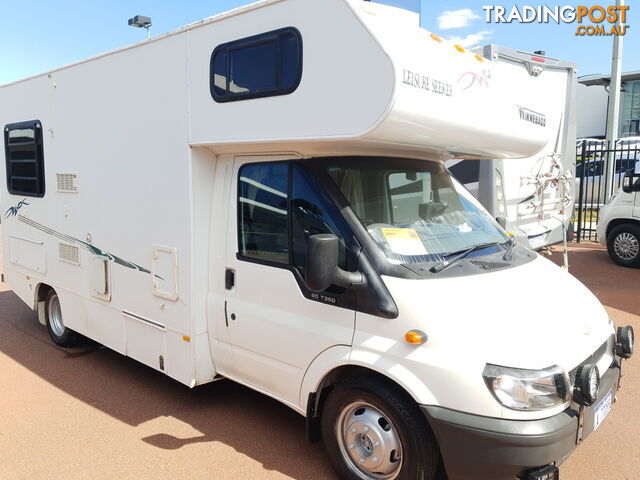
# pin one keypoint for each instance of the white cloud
(472, 39)
(456, 18)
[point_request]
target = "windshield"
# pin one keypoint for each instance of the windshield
(413, 209)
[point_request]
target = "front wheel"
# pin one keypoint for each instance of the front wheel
(372, 432)
(61, 335)
(623, 244)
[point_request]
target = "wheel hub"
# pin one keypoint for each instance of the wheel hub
(55, 316)
(369, 442)
(626, 246)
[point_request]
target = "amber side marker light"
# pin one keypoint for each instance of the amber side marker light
(459, 48)
(436, 37)
(415, 337)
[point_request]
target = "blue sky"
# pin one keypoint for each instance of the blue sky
(39, 35)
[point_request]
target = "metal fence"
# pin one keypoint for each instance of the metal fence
(593, 158)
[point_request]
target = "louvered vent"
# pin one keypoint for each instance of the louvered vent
(67, 182)
(482, 265)
(69, 253)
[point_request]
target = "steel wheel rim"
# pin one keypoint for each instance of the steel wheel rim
(55, 316)
(369, 442)
(626, 246)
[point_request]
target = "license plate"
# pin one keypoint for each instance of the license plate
(602, 409)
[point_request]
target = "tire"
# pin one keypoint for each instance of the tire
(61, 335)
(373, 431)
(623, 245)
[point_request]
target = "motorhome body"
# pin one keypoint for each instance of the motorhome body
(168, 200)
(534, 197)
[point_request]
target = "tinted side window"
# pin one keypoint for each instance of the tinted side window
(260, 66)
(263, 198)
(253, 69)
(24, 158)
(313, 212)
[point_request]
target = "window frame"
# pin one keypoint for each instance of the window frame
(255, 40)
(38, 141)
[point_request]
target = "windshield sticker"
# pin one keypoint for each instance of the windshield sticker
(404, 241)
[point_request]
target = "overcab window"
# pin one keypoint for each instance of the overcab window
(24, 158)
(264, 65)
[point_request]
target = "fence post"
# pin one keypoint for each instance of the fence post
(583, 155)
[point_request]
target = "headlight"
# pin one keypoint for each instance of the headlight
(520, 389)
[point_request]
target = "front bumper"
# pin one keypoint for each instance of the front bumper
(483, 448)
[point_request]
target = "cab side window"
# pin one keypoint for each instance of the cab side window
(263, 212)
(280, 206)
(312, 212)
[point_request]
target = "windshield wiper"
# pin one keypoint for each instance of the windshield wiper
(438, 267)
(509, 253)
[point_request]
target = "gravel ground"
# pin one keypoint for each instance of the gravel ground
(93, 414)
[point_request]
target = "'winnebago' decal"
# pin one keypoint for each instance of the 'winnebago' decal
(13, 211)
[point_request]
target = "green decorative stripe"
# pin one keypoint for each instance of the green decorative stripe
(86, 246)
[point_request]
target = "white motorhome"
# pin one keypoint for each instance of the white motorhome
(619, 221)
(261, 196)
(532, 197)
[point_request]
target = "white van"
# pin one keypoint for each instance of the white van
(619, 221)
(261, 196)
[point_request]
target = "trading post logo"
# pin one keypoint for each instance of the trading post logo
(596, 20)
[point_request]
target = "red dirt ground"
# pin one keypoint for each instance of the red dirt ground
(94, 414)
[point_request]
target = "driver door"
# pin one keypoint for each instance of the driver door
(276, 327)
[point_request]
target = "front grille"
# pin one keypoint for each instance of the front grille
(593, 359)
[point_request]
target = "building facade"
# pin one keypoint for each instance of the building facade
(593, 100)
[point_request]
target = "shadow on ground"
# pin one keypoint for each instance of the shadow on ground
(249, 422)
(252, 424)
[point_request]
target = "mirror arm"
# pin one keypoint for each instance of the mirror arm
(345, 279)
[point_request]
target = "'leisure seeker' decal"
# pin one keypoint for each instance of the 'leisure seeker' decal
(426, 83)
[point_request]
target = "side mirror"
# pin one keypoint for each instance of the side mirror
(631, 181)
(321, 269)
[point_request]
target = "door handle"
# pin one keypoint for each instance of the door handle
(229, 279)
